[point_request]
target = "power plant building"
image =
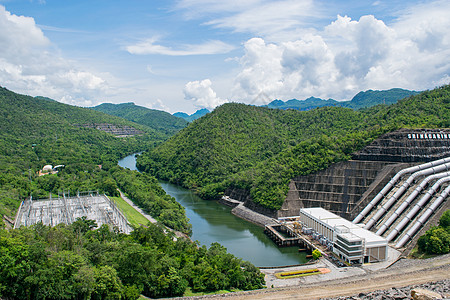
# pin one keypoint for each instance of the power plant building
(349, 241)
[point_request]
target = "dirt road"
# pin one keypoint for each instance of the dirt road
(410, 273)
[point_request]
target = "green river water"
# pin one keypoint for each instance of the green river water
(213, 222)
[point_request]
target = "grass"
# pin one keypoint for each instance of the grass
(294, 274)
(133, 216)
(416, 254)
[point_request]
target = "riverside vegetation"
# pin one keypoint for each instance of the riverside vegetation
(78, 261)
(260, 149)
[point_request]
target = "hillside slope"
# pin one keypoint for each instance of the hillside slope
(160, 121)
(35, 132)
(260, 149)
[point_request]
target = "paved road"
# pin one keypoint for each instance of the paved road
(410, 273)
(147, 216)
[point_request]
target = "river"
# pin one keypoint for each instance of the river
(214, 222)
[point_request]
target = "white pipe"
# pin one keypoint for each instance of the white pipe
(402, 189)
(416, 208)
(413, 230)
(408, 201)
(392, 182)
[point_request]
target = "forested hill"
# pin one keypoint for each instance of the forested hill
(35, 132)
(261, 149)
(161, 121)
(361, 100)
(78, 261)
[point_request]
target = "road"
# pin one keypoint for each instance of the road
(410, 273)
(178, 234)
(147, 216)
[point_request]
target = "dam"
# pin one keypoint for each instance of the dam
(403, 211)
(364, 191)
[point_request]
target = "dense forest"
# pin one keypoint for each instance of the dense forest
(38, 131)
(260, 149)
(78, 261)
(161, 121)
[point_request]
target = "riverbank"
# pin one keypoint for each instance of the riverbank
(240, 231)
(245, 213)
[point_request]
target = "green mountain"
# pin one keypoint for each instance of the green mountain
(160, 121)
(198, 114)
(260, 149)
(35, 132)
(361, 100)
(77, 261)
(371, 98)
(306, 104)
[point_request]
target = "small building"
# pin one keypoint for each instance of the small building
(47, 169)
(350, 242)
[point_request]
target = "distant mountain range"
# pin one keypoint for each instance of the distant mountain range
(161, 121)
(198, 114)
(361, 100)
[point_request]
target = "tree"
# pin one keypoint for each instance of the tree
(83, 225)
(435, 241)
(316, 254)
(107, 284)
(444, 221)
(109, 187)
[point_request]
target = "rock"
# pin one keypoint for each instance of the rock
(422, 294)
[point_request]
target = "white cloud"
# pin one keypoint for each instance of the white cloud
(159, 105)
(149, 47)
(276, 20)
(201, 94)
(350, 55)
(261, 70)
(29, 65)
(68, 99)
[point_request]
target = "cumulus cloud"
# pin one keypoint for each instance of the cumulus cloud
(201, 94)
(350, 55)
(149, 47)
(159, 105)
(29, 65)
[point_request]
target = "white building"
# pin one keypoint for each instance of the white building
(350, 242)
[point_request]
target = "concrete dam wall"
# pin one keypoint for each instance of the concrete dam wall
(347, 187)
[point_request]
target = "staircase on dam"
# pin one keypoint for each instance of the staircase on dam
(346, 188)
(338, 188)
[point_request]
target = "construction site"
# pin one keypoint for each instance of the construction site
(66, 209)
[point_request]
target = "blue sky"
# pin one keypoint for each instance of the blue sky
(188, 54)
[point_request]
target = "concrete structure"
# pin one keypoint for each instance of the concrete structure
(345, 188)
(67, 209)
(350, 242)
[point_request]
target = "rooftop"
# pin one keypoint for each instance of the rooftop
(334, 220)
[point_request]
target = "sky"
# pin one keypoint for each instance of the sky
(185, 55)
